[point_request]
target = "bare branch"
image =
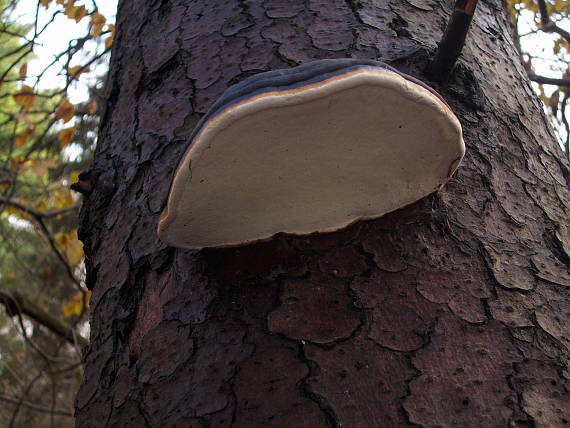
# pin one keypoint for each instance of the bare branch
(35, 213)
(17, 303)
(453, 39)
(548, 80)
(547, 25)
(551, 27)
(31, 406)
(544, 18)
(566, 125)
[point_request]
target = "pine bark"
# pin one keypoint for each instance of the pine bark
(454, 311)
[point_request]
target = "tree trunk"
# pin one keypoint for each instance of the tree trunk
(454, 311)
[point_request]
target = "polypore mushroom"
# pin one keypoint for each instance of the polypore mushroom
(309, 149)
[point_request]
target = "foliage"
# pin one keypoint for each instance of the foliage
(544, 45)
(46, 139)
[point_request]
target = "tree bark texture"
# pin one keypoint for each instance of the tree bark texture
(452, 312)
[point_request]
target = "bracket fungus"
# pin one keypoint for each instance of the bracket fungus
(309, 149)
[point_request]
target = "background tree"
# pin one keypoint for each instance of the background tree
(449, 312)
(543, 41)
(45, 140)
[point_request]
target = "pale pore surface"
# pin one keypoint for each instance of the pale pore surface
(311, 162)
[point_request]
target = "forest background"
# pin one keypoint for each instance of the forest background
(53, 61)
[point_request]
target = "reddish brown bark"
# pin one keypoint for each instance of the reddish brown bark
(450, 312)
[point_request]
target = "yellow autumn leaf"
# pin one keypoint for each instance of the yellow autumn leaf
(565, 75)
(23, 71)
(92, 107)
(74, 177)
(50, 163)
(40, 166)
(61, 240)
(55, 185)
(46, 273)
(66, 136)
(16, 163)
(111, 38)
(21, 117)
(97, 23)
(65, 111)
(12, 210)
(22, 137)
(9, 275)
(63, 199)
(75, 12)
(25, 97)
(553, 101)
(77, 71)
(41, 206)
(74, 252)
(70, 246)
(39, 169)
(75, 305)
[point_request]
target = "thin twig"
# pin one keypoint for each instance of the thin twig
(22, 399)
(53, 400)
(39, 219)
(13, 247)
(58, 253)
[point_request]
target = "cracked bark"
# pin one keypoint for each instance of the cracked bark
(449, 312)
